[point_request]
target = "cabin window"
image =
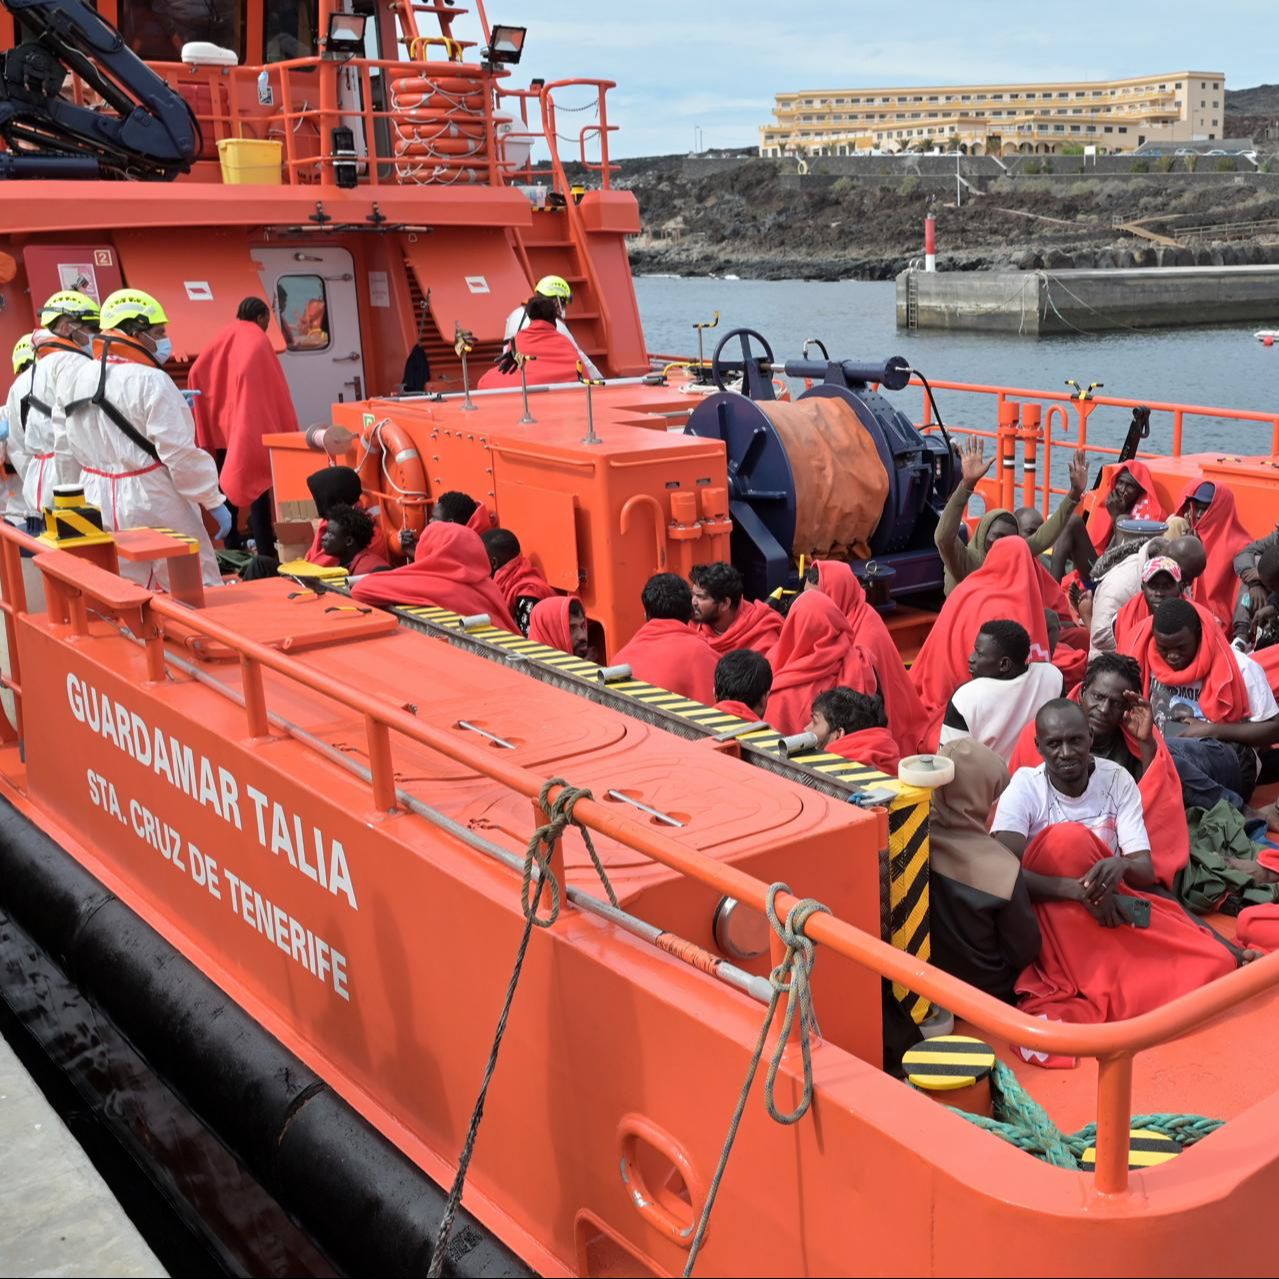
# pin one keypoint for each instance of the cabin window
(302, 307)
(156, 30)
(290, 30)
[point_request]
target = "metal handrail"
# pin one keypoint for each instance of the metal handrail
(1113, 1044)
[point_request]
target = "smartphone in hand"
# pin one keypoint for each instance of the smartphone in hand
(1133, 910)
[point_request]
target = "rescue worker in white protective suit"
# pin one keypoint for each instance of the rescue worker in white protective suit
(13, 456)
(131, 432)
(555, 287)
(63, 344)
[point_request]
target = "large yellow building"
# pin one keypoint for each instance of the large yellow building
(1000, 119)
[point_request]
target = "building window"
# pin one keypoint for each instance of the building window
(996, 97)
(1216, 102)
(1212, 137)
(1163, 88)
(1214, 121)
(1030, 97)
(965, 97)
(1107, 129)
(1123, 128)
(1074, 128)
(1177, 85)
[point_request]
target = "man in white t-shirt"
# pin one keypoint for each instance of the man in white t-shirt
(557, 289)
(1071, 785)
(1216, 759)
(1005, 691)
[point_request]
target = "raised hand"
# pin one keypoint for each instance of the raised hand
(1078, 474)
(1139, 717)
(973, 461)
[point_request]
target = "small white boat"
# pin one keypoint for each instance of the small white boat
(1267, 337)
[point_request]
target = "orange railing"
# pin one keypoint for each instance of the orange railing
(1042, 421)
(77, 589)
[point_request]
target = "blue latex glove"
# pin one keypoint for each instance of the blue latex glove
(223, 516)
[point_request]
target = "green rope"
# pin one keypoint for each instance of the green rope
(789, 979)
(1022, 1122)
(559, 816)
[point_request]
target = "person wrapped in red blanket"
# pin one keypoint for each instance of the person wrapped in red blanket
(1210, 508)
(743, 681)
(1006, 586)
(333, 486)
(666, 651)
(551, 356)
(560, 622)
(243, 396)
(1123, 731)
(815, 651)
(450, 569)
(723, 618)
(902, 706)
(1076, 823)
(852, 725)
(517, 577)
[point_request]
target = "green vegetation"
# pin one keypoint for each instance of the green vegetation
(1140, 166)
(1192, 163)
(1226, 164)
(1164, 163)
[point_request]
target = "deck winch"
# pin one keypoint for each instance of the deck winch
(840, 472)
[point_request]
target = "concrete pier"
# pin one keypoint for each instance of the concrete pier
(1040, 303)
(57, 1216)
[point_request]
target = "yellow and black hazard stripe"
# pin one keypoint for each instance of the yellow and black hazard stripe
(1146, 1149)
(67, 525)
(947, 1063)
(904, 864)
(192, 543)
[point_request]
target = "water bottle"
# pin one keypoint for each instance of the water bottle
(265, 96)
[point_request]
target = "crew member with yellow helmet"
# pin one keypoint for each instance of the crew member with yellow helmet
(13, 455)
(130, 430)
(555, 287)
(64, 342)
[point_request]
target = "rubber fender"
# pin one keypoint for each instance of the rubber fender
(357, 1196)
(360, 1198)
(49, 893)
(243, 1083)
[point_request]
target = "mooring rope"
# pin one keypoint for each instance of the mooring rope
(1022, 1122)
(790, 979)
(559, 814)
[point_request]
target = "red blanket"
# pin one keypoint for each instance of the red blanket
(1005, 586)
(450, 569)
(673, 656)
(244, 396)
(816, 651)
(740, 709)
(521, 579)
(1268, 660)
(1161, 801)
(1087, 973)
(548, 623)
(902, 706)
(1258, 927)
(1223, 536)
(1148, 507)
(1224, 695)
(554, 358)
(874, 747)
(1070, 656)
(756, 627)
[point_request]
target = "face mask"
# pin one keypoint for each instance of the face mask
(84, 340)
(163, 350)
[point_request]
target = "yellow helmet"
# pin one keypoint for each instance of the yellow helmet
(554, 286)
(131, 304)
(79, 306)
(23, 353)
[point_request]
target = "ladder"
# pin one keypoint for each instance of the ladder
(912, 299)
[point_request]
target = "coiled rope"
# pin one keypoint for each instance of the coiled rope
(559, 816)
(1022, 1122)
(789, 979)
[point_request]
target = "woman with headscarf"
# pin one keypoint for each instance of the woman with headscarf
(450, 570)
(902, 706)
(1210, 508)
(816, 651)
(983, 924)
(960, 559)
(1006, 586)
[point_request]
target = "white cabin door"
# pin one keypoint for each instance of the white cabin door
(311, 289)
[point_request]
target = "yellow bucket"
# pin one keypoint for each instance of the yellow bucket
(246, 160)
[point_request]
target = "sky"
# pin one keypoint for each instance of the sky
(715, 65)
